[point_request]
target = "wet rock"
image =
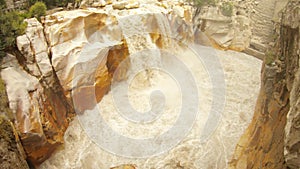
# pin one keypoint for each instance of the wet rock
(75, 62)
(34, 48)
(40, 107)
(83, 4)
(70, 6)
(94, 40)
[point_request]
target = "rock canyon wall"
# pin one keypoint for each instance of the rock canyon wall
(35, 96)
(272, 139)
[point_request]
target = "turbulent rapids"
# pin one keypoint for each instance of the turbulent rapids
(167, 81)
(242, 80)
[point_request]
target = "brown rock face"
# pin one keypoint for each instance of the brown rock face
(262, 145)
(107, 71)
(40, 108)
(291, 34)
(48, 131)
(118, 55)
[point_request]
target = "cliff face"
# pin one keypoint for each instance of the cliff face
(36, 98)
(262, 145)
(248, 28)
(291, 33)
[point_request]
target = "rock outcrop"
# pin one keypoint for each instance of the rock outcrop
(13, 5)
(226, 32)
(36, 98)
(248, 27)
(263, 14)
(275, 124)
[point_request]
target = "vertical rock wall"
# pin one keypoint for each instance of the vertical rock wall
(262, 145)
(36, 98)
(290, 34)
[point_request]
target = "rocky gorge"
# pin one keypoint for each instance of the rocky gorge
(72, 55)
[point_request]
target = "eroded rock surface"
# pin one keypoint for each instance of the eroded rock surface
(40, 113)
(291, 34)
(248, 28)
(262, 145)
(226, 32)
(36, 98)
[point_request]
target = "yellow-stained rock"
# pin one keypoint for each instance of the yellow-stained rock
(270, 140)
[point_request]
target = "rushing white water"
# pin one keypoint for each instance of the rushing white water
(147, 75)
(242, 76)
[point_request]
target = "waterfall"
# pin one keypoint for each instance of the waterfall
(144, 54)
(148, 120)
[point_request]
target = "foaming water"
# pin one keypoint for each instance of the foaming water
(242, 76)
(154, 94)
